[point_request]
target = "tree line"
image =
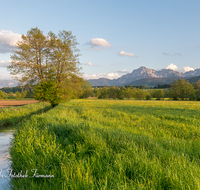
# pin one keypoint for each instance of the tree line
(16, 95)
(178, 90)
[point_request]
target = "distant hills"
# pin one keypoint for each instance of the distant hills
(140, 76)
(10, 83)
(148, 77)
(149, 82)
(193, 79)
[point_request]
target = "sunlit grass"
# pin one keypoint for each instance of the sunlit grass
(111, 144)
(12, 115)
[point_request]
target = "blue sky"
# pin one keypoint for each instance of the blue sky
(114, 36)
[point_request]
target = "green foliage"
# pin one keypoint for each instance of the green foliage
(115, 93)
(158, 94)
(96, 92)
(24, 93)
(120, 94)
(11, 95)
(112, 92)
(28, 88)
(17, 95)
(3, 95)
(148, 97)
(48, 91)
(104, 93)
(87, 90)
(181, 89)
(140, 94)
(30, 94)
(128, 93)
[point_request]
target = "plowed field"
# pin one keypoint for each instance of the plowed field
(7, 103)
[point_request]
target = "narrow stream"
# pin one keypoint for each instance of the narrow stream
(6, 135)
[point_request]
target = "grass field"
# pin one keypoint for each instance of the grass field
(12, 115)
(110, 144)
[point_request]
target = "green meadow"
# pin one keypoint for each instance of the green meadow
(110, 144)
(12, 115)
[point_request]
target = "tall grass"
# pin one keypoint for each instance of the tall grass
(102, 144)
(12, 115)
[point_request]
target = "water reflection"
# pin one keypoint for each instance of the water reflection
(6, 135)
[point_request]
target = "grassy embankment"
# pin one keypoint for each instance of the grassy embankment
(12, 115)
(104, 144)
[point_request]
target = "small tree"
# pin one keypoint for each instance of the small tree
(128, 93)
(174, 90)
(148, 97)
(11, 95)
(23, 93)
(189, 91)
(120, 94)
(198, 90)
(140, 94)
(30, 94)
(96, 92)
(3, 95)
(134, 92)
(112, 92)
(17, 95)
(87, 90)
(182, 89)
(158, 94)
(103, 93)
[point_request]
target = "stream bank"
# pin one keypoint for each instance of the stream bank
(6, 135)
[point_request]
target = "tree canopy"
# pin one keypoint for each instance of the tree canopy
(181, 89)
(51, 62)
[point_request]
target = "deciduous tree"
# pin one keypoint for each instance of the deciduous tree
(3, 95)
(128, 93)
(48, 61)
(17, 95)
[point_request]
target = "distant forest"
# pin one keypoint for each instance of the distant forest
(180, 89)
(26, 90)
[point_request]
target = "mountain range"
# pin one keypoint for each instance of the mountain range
(140, 76)
(160, 77)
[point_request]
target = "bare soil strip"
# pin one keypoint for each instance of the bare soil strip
(7, 103)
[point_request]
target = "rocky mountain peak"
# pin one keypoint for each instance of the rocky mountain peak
(144, 72)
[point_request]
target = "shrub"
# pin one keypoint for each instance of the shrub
(148, 97)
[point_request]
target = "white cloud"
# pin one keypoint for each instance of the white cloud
(99, 42)
(89, 64)
(123, 71)
(8, 40)
(122, 53)
(102, 75)
(186, 69)
(5, 63)
(172, 66)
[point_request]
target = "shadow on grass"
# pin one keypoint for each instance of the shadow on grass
(16, 119)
